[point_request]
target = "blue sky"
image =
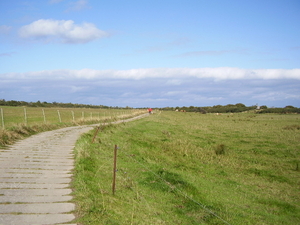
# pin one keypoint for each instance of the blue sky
(142, 53)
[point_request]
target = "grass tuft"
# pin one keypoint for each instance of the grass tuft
(220, 149)
(292, 127)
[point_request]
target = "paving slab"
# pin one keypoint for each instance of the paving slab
(40, 166)
(35, 192)
(39, 180)
(35, 175)
(33, 199)
(31, 186)
(37, 208)
(27, 171)
(35, 219)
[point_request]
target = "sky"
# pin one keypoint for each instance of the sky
(158, 53)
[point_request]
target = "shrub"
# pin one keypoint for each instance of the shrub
(220, 149)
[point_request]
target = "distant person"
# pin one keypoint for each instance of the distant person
(150, 110)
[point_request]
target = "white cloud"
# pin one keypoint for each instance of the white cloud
(176, 75)
(152, 87)
(75, 89)
(64, 31)
(275, 95)
(175, 93)
(179, 73)
(174, 82)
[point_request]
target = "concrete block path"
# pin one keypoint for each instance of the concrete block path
(35, 176)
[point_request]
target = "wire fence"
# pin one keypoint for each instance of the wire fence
(130, 172)
(12, 116)
(171, 186)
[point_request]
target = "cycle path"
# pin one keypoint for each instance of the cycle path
(35, 176)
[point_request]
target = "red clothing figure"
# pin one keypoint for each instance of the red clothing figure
(150, 110)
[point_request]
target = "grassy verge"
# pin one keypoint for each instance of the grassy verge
(188, 168)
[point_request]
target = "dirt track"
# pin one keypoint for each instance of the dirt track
(35, 174)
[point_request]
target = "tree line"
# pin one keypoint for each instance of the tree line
(231, 108)
(3, 102)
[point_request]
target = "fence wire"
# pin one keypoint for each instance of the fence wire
(127, 179)
(13, 116)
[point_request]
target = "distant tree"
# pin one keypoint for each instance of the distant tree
(13, 103)
(2, 102)
(240, 105)
(230, 105)
(217, 106)
(201, 110)
(289, 107)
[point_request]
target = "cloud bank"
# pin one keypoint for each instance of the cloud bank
(62, 31)
(175, 74)
(156, 87)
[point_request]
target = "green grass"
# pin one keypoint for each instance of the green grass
(170, 171)
(37, 115)
(20, 122)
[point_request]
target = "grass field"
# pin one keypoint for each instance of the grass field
(17, 122)
(37, 115)
(189, 168)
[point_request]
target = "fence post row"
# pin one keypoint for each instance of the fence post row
(29, 117)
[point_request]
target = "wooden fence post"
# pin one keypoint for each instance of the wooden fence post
(2, 117)
(115, 170)
(25, 116)
(59, 116)
(44, 115)
(95, 134)
(73, 116)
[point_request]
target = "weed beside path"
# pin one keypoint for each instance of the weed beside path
(188, 168)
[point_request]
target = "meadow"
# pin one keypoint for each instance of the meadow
(17, 122)
(11, 116)
(191, 168)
